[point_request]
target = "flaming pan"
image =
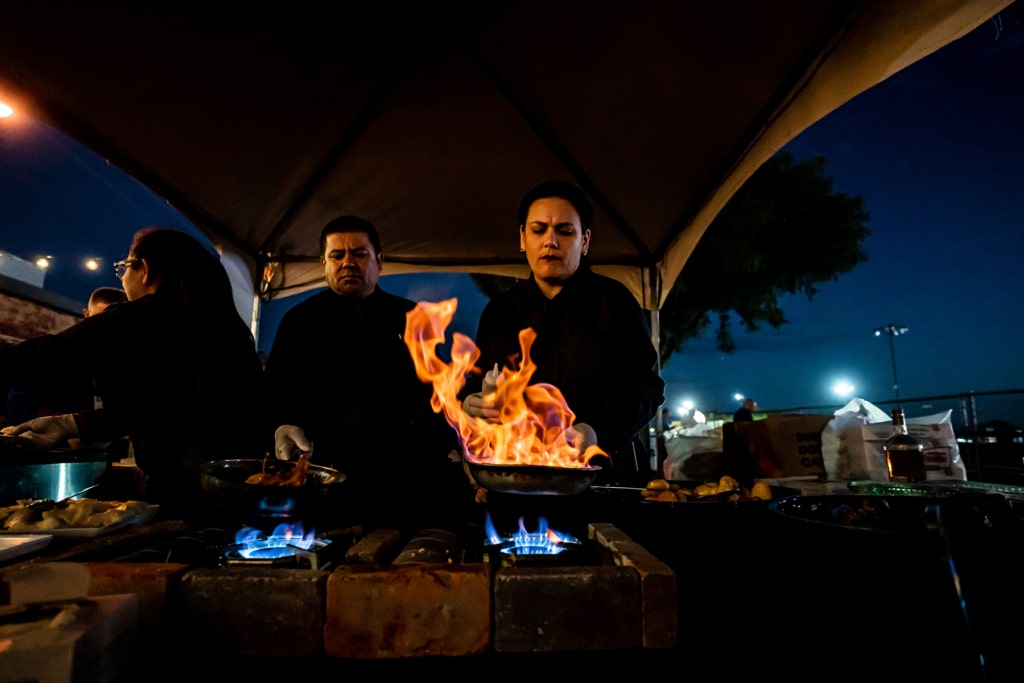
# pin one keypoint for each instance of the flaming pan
(533, 480)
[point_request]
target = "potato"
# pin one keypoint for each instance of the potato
(657, 485)
(761, 491)
(705, 489)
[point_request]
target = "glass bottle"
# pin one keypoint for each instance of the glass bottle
(904, 455)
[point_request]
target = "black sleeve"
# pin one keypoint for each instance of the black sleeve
(639, 390)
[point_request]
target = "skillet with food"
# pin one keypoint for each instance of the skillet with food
(270, 487)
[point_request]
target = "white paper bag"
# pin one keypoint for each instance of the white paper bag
(852, 444)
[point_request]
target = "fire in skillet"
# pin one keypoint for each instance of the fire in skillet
(525, 451)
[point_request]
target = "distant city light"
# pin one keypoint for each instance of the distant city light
(91, 263)
(843, 389)
(684, 407)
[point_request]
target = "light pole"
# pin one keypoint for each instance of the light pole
(893, 331)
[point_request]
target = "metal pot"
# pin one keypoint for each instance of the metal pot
(533, 480)
(225, 482)
(53, 475)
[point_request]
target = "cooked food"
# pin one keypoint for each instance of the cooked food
(10, 441)
(296, 476)
(727, 483)
(45, 515)
(726, 489)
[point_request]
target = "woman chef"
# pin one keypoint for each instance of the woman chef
(175, 366)
(593, 341)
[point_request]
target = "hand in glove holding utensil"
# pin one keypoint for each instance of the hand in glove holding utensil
(483, 404)
(290, 442)
(580, 436)
(44, 433)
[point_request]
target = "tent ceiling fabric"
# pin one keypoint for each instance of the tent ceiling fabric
(431, 122)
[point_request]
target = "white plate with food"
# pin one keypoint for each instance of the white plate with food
(82, 518)
(16, 545)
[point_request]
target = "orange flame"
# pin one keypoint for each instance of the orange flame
(532, 418)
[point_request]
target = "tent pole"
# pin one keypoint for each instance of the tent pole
(654, 298)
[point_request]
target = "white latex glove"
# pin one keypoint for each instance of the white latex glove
(44, 433)
(476, 405)
(290, 442)
(580, 436)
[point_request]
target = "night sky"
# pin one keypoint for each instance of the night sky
(935, 151)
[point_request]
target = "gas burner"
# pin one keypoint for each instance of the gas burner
(268, 554)
(287, 546)
(542, 542)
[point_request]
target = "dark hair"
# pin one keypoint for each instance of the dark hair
(107, 295)
(349, 224)
(562, 189)
(188, 271)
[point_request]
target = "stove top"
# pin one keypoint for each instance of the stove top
(248, 547)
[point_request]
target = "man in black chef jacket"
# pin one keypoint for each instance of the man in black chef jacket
(343, 387)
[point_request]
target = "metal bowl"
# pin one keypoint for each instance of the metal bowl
(53, 475)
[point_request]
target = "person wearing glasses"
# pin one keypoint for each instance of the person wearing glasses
(175, 365)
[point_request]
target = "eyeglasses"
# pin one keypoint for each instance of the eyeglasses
(121, 267)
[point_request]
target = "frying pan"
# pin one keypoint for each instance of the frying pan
(533, 480)
(225, 482)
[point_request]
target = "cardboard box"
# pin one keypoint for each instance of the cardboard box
(860, 454)
(777, 446)
(97, 648)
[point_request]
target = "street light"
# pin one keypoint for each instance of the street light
(893, 331)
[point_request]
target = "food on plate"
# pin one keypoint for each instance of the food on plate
(84, 513)
(11, 441)
(296, 476)
(725, 489)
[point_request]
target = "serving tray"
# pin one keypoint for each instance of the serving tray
(16, 545)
